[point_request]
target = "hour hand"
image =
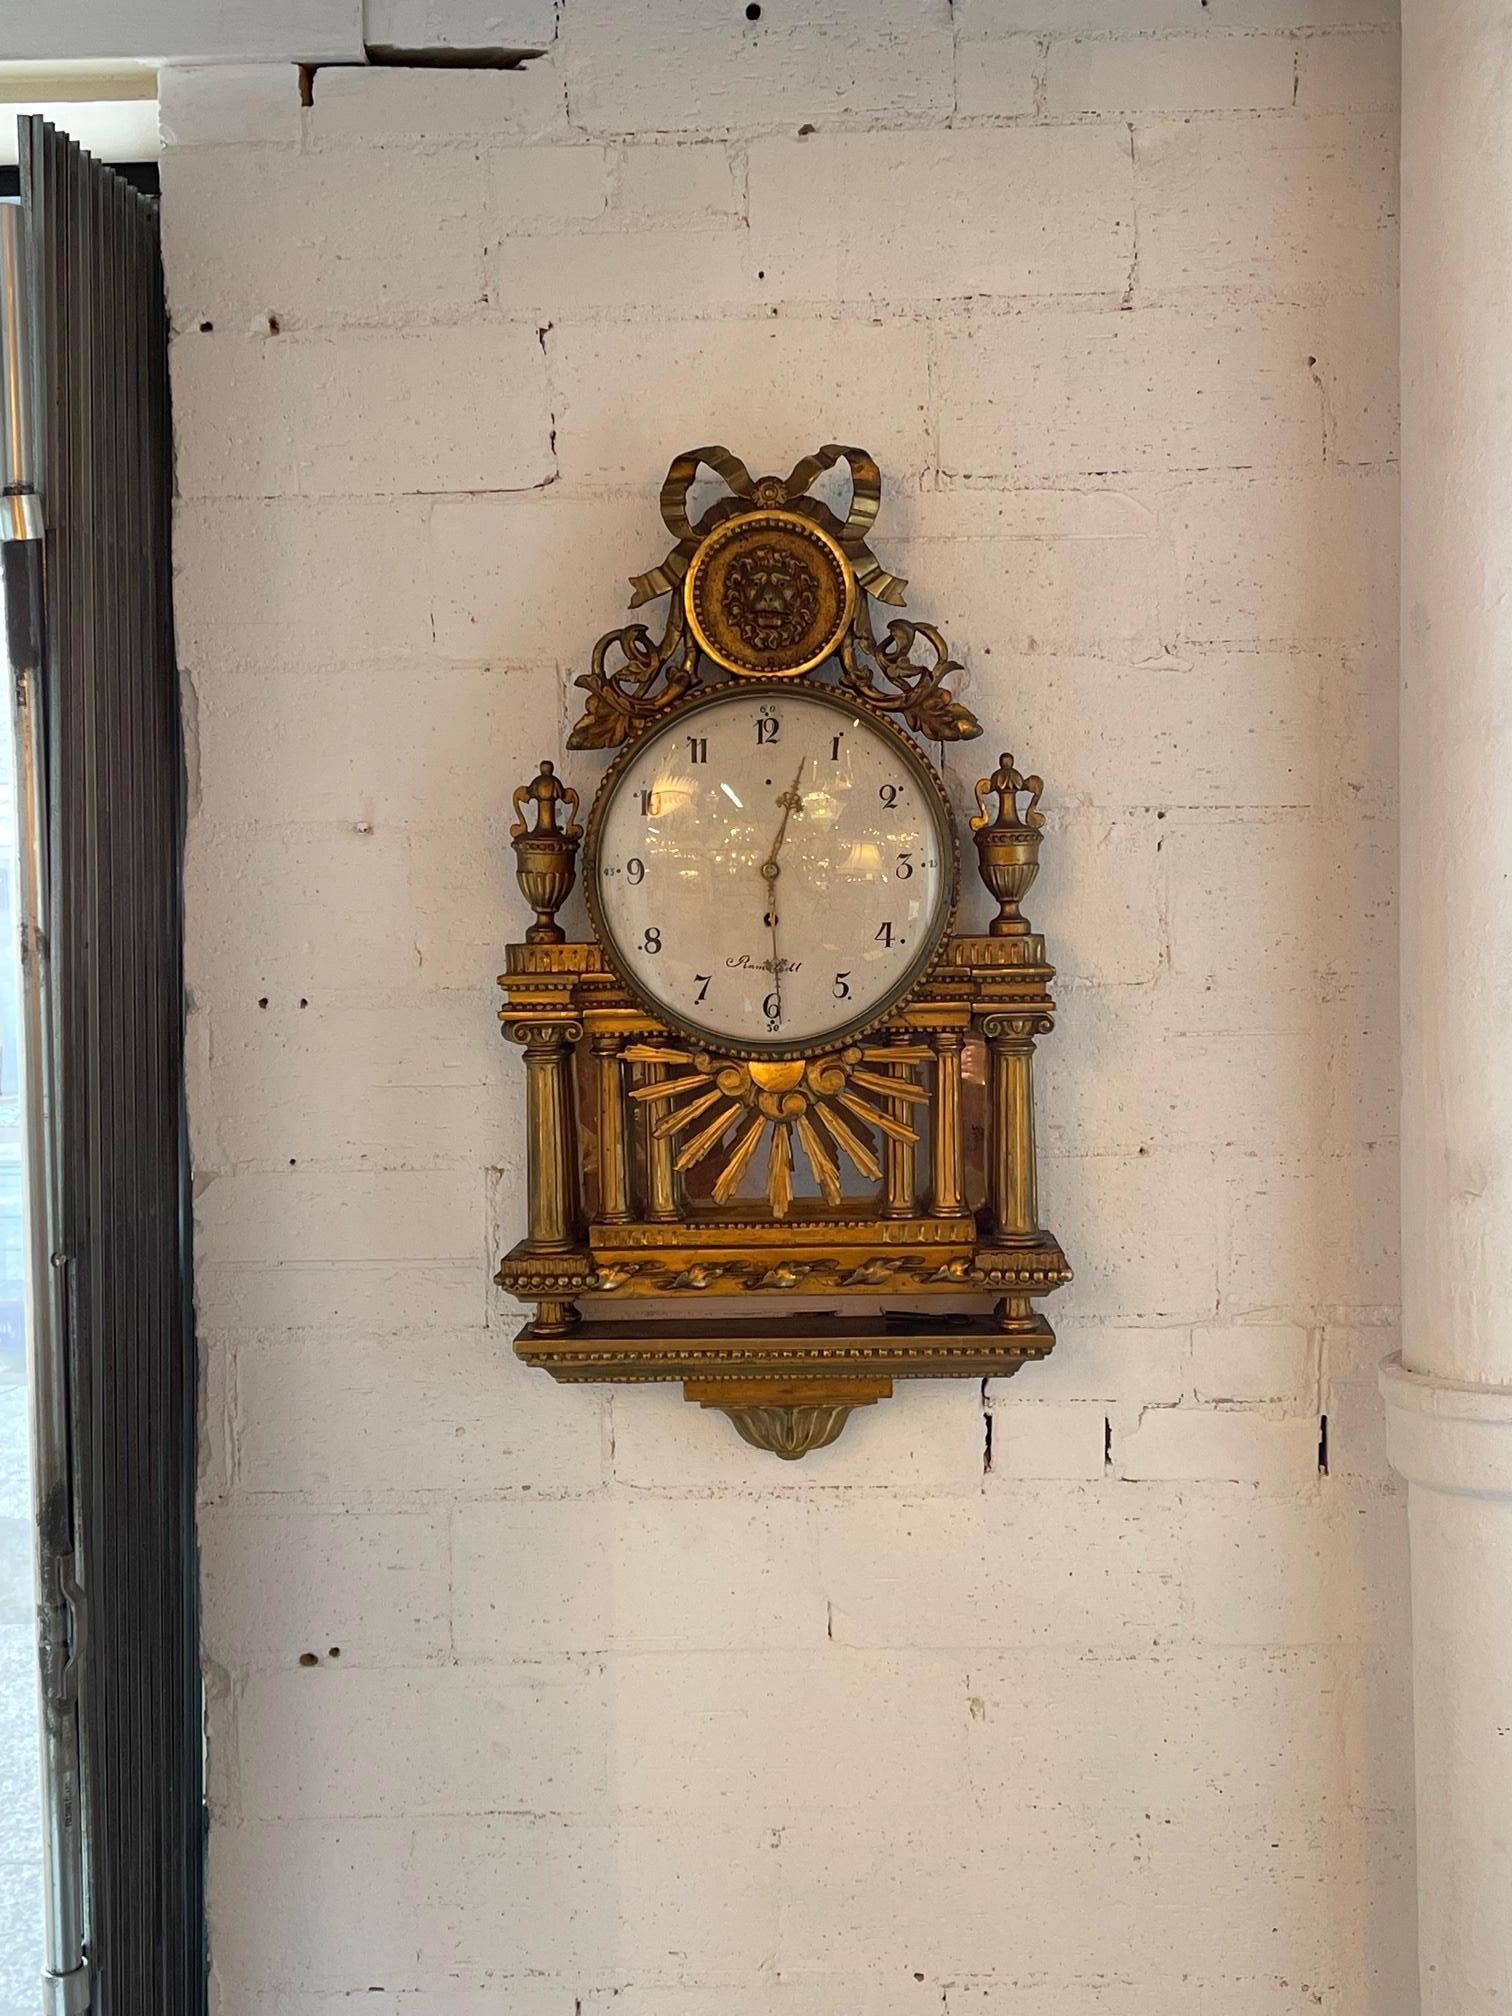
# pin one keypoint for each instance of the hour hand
(791, 801)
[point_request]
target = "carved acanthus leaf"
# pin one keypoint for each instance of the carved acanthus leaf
(651, 678)
(882, 672)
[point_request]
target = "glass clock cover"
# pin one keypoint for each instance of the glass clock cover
(772, 869)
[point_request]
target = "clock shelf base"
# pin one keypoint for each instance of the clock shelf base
(789, 1383)
(805, 1346)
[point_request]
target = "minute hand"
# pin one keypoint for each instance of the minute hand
(791, 801)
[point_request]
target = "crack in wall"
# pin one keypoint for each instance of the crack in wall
(1133, 280)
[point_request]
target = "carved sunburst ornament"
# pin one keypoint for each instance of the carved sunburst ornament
(724, 1112)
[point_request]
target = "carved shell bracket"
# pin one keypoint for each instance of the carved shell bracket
(793, 587)
(784, 1417)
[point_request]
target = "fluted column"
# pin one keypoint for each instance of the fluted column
(551, 1137)
(899, 1181)
(1012, 1184)
(613, 1144)
(661, 1175)
(948, 1147)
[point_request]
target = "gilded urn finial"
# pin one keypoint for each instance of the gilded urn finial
(1008, 845)
(545, 854)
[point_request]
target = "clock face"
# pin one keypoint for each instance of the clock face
(772, 868)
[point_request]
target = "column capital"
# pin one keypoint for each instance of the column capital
(1446, 1434)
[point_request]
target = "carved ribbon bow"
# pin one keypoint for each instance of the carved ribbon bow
(770, 492)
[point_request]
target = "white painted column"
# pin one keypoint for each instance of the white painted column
(1449, 1403)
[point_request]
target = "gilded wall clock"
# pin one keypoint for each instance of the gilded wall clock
(751, 1166)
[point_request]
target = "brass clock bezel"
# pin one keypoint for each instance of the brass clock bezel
(745, 527)
(940, 930)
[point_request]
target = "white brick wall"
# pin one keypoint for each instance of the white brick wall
(1086, 1693)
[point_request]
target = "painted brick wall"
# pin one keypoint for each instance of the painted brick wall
(626, 1719)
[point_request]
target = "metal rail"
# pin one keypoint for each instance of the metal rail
(60, 1619)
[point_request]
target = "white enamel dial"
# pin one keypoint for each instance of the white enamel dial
(772, 868)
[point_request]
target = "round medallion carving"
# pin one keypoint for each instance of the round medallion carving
(769, 594)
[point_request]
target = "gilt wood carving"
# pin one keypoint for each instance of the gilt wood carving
(780, 1110)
